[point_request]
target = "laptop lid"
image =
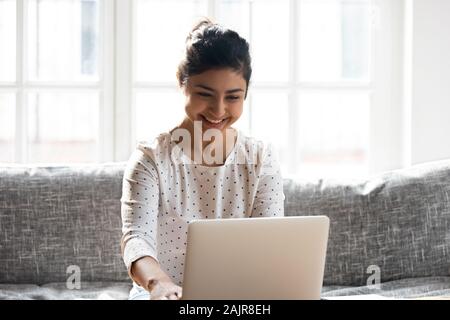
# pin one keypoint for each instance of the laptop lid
(255, 258)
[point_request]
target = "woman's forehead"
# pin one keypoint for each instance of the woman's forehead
(218, 79)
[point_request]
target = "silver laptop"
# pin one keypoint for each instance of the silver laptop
(255, 258)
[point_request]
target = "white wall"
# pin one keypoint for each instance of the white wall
(429, 91)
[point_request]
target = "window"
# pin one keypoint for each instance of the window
(52, 92)
(84, 80)
(333, 76)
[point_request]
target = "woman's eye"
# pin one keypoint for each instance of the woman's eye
(203, 94)
(233, 97)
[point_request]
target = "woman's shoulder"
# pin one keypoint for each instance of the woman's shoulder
(248, 141)
(146, 157)
(156, 143)
(155, 148)
(254, 148)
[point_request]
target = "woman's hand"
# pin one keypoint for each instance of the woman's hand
(148, 274)
(164, 289)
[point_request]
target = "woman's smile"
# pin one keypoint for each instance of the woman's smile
(211, 122)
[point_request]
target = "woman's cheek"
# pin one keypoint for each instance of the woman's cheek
(191, 108)
(238, 110)
(197, 104)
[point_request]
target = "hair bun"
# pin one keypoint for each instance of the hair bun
(204, 22)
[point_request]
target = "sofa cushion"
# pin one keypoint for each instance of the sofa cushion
(395, 224)
(412, 288)
(59, 291)
(399, 289)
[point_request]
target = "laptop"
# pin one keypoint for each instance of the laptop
(266, 258)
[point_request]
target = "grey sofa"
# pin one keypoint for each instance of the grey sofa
(394, 227)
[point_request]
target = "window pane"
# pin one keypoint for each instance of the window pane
(270, 122)
(157, 112)
(269, 38)
(234, 14)
(7, 40)
(7, 126)
(334, 40)
(333, 133)
(63, 127)
(161, 30)
(63, 39)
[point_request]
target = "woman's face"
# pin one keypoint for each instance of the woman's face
(215, 97)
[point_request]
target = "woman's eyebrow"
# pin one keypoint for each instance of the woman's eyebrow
(211, 89)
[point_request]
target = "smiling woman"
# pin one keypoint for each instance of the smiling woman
(160, 195)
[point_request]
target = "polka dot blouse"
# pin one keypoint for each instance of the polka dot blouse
(160, 196)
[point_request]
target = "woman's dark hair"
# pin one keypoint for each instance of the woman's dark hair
(211, 46)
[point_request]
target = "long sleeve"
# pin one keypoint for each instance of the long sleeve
(139, 209)
(269, 198)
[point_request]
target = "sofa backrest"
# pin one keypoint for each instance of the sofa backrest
(55, 217)
(394, 225)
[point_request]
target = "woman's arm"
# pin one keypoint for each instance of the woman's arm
(147, 273)
(140, 198)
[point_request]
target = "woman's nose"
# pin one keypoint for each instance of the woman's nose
(218, 107)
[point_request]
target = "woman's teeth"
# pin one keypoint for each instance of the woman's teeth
(214, 121)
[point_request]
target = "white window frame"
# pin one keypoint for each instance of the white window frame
(388, 118)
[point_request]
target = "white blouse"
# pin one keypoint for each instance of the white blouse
(161, 195)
